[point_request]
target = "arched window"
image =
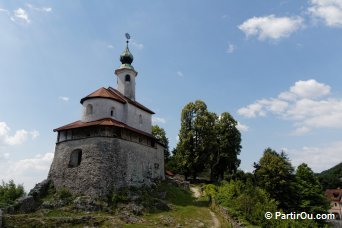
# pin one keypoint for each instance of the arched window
(127, 78)
(89, 109)
(140, 119)
(75, 158)
(112, 112)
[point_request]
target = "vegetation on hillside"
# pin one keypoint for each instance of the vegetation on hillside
(275, 186)
(331, 178)
(165, 204)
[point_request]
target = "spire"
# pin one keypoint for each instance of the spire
(126, 58)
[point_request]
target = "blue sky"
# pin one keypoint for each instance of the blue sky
(274, 65)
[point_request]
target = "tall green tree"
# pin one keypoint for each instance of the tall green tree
(196, 137)
(310, 194)
(275, 174)
(160, 135)
(228, 146)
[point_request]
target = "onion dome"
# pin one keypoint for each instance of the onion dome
(126, 57)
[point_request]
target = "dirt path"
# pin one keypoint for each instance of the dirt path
(216, 222)
(197, 193)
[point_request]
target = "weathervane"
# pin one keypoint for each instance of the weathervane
(128, 37)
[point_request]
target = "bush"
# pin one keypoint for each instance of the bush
(63, 194)
(9, 192)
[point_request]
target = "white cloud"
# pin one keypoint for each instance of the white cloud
(241, 127)
(156, 120)
(310, 89)
(306, 103)
(328, 10)
(4, 11)
(301, 131)
(318, 158)
(180, 73)
(271, 27)
(18, 138)
(137, 45)
(34, 134)
(20, 14)
(231, 48)
(26, 171)
(42, 9)
(63, 98)
(110, 46)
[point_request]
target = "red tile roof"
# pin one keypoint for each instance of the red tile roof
(114, 94)
(103, 93)
(101, 122)
(334, 194)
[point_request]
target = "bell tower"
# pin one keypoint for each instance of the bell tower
(126, 73)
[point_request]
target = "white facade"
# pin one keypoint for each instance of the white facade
(126, 82)
(100, 108)
(138, 118)
(103, 108)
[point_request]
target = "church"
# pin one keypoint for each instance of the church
(112, 146)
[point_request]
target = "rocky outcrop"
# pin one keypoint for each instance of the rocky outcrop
(40, 189)
(26, 204)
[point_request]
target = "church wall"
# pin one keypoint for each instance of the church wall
(102, 108)
(144, 163)
(133, 119)
(106, 164)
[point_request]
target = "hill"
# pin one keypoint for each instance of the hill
(163, 205)
(331, 178)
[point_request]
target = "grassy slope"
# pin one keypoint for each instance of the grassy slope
(185, 211)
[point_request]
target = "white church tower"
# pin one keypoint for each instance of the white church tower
(126, 74)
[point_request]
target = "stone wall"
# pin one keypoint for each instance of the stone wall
(106, 164)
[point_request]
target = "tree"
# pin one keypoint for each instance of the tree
(196, 138)
(160, 135)
(274, 173)
(310, 194)
(9, 192)
(228, 147)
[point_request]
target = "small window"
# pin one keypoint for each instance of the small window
(89, 109)
(140, 119)
(75, 158)
(112, 112)
(127, 78)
